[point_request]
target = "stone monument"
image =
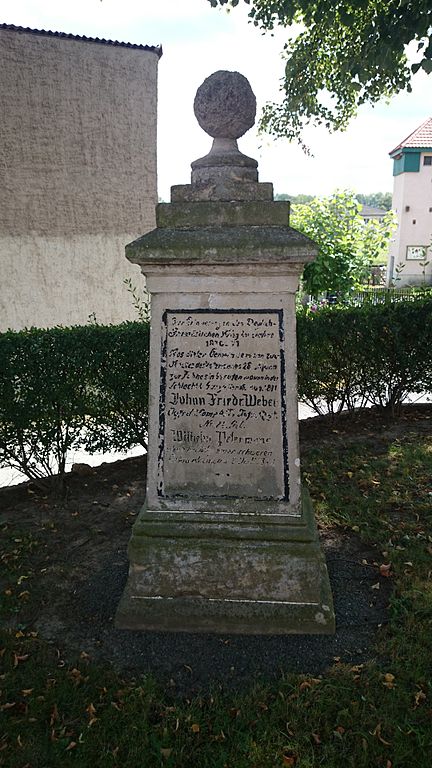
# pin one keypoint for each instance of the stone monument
(226, 541)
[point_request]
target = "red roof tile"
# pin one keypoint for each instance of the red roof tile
(421, 137)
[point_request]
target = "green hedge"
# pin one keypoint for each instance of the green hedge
(66, 388)
(369, 355)
(87, 387)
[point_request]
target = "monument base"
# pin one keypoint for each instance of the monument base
(227, 573)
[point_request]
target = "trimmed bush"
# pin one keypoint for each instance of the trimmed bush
(87, 387)
(66, 388)
(354, 356)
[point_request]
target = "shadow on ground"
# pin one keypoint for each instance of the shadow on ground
(78, 569)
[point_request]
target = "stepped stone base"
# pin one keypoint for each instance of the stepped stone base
(250, 574)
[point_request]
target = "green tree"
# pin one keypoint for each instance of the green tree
(376, 200)
(347, 244)
(342, 55)
(294, 198)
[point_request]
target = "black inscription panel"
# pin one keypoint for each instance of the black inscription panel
(222, 408)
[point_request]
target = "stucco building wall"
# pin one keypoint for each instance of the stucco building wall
(78, 175)
(413, 191)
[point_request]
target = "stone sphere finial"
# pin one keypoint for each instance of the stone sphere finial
(225, 105)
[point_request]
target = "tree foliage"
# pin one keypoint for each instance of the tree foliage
(294, 198)
(345, 54)
(347, 244)
(376, 200)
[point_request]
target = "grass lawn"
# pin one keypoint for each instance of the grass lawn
(375, 482)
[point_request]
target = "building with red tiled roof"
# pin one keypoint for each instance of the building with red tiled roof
(421, 137)
(78, 174)
(410, 250)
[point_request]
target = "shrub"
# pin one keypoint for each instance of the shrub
(65, 388)
(353, 356)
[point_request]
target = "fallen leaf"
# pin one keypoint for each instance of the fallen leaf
(385, 569)
(289, 759)
(305, 685)
(377, 733)
(316, 737)
(375, 586)
(91, 711)
(54, 715)
(70, 746)
(195, 728)
(389, 680)
(418, 698)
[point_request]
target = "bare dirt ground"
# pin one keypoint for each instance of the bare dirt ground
(77, 567)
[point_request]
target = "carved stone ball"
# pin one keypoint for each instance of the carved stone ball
(225, 105)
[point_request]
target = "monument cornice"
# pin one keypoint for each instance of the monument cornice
(221, 245)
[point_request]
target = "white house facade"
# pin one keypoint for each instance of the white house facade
(78, 174)
(412, 201)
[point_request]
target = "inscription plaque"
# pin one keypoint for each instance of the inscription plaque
(222, 404)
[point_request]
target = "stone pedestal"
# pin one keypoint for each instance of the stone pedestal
(226, 541)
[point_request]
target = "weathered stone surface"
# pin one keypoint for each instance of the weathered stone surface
(219, 580)
(222, 214)
(225, 542)
(221, 245)
(217, 174)
(224, 153)
(222, 190)
(225, 105)
(224, 403)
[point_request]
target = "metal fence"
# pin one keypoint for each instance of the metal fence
(381, 295)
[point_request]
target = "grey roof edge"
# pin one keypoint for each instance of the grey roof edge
(157, 49)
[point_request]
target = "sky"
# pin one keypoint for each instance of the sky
(198, 40)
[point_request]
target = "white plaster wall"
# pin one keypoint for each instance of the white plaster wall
(77, 176)
(49, 281)
(413, 190)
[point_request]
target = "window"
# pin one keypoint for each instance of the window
(416, 252)
(427, 160)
